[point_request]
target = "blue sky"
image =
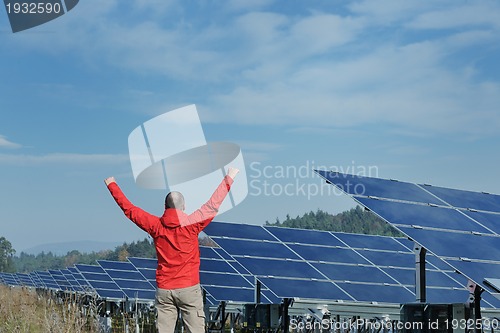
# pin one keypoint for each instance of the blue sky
(396, 89)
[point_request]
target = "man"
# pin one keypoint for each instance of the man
(175, 236)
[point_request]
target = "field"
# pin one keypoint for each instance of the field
(23, 310)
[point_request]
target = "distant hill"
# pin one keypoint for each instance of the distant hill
(63, 248)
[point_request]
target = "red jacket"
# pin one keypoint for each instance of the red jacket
(175, 235)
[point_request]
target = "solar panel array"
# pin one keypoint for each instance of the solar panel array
(460, 227)
(110, 280)
(309, 264)
(286, 263)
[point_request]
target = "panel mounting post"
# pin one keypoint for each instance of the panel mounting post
(420, 281)
(257, 294)
(285, 320)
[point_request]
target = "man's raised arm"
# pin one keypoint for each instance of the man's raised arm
(141, 218)
(205, 214)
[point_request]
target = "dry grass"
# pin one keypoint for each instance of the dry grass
(22, 310)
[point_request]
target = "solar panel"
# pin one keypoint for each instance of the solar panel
(25, 280)
(37, 280)
(129, 279)
(147, 268)
(60, 279)
(102, 283)
(48, 280)
(460, 227)
(72, 281)
(380, 188)
(79, 278)
(304, 288)
(10, 279)
(466, 199)
(409, 215)
(224, 279)
(353, 264)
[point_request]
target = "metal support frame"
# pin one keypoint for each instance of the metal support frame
(420, 278)
(258, 293)
(285, 320)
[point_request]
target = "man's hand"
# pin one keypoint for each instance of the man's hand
(232, 172)
(109, 180)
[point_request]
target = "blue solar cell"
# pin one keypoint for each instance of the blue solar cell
(492, 301)
(382, 188)
(270, 296)
(48, 280)
(421, 215)
(395, 259)
(285, 288)
(378, 293)
(220, 279)
(477, 271)
(109, 285)
(435, 295)
(90, 268)
(328, 254)
(208, 252)
(230, 294)
(61, 280)
(10, 279)
(433, 278)
(245, 231)
(149, 274)
(223, 254)
(435, 262)
(409, 244)
(134, 284)
(96, 277)
(489, 220)
(448, 244)
(405, 276)
(239, 268)
(439, 279)
(370, 242)
(466, 199)
(143, 262)
(256, 249)
(116, 265)
(283, 268)
(110, 294)
(130, 275)
(288, 235)
(354, 273)
(25, 280)
(215, 266)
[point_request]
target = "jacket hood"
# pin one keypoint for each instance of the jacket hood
(173, 218)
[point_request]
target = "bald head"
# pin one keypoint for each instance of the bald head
(175, 200)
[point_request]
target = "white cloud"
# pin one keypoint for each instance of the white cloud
(4, 143)
(466, 14)
(62, 158)
(322, 67)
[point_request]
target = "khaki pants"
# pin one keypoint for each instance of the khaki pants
(189, 301)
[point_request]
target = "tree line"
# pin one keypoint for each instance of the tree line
(355, 220)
